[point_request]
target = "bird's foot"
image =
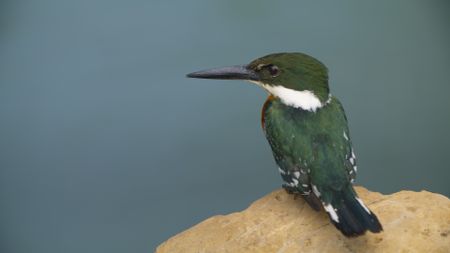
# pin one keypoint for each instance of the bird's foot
(292, 190)
(289, 189)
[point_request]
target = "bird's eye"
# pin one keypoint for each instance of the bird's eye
(273, 70)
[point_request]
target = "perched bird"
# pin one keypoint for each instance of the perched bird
(307, 130)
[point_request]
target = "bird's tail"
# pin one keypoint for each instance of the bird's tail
(349, 214)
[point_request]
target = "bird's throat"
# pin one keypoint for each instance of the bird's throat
(305, 99)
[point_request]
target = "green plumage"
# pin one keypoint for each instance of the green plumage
(313, 142)
(308, 133)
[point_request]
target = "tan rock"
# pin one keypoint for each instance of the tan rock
(412, 222)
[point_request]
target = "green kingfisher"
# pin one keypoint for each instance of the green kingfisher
(307, 130)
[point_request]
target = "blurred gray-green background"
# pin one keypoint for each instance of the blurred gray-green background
(105, 146)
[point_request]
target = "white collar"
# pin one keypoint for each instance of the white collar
(304, 99)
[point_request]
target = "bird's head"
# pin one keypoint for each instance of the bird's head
(297, 79)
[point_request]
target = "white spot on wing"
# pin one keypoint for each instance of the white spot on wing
(362, 204)
(329, 99)
(345, 136)
(315, 190)
(329, 208)
(297, 174)
(352, 161)
(281, 171)
(295, 181)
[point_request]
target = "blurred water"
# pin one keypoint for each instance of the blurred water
(107, 147)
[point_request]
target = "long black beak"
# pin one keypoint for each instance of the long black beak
(237, 72)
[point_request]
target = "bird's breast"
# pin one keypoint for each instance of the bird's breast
(269, 100)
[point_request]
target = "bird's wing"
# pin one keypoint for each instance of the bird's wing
(334, 159)
(312, 150)
(279, 131)
(315, 156)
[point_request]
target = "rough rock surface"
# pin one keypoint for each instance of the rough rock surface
(412, 222)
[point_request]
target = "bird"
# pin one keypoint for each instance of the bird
(307, 130)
